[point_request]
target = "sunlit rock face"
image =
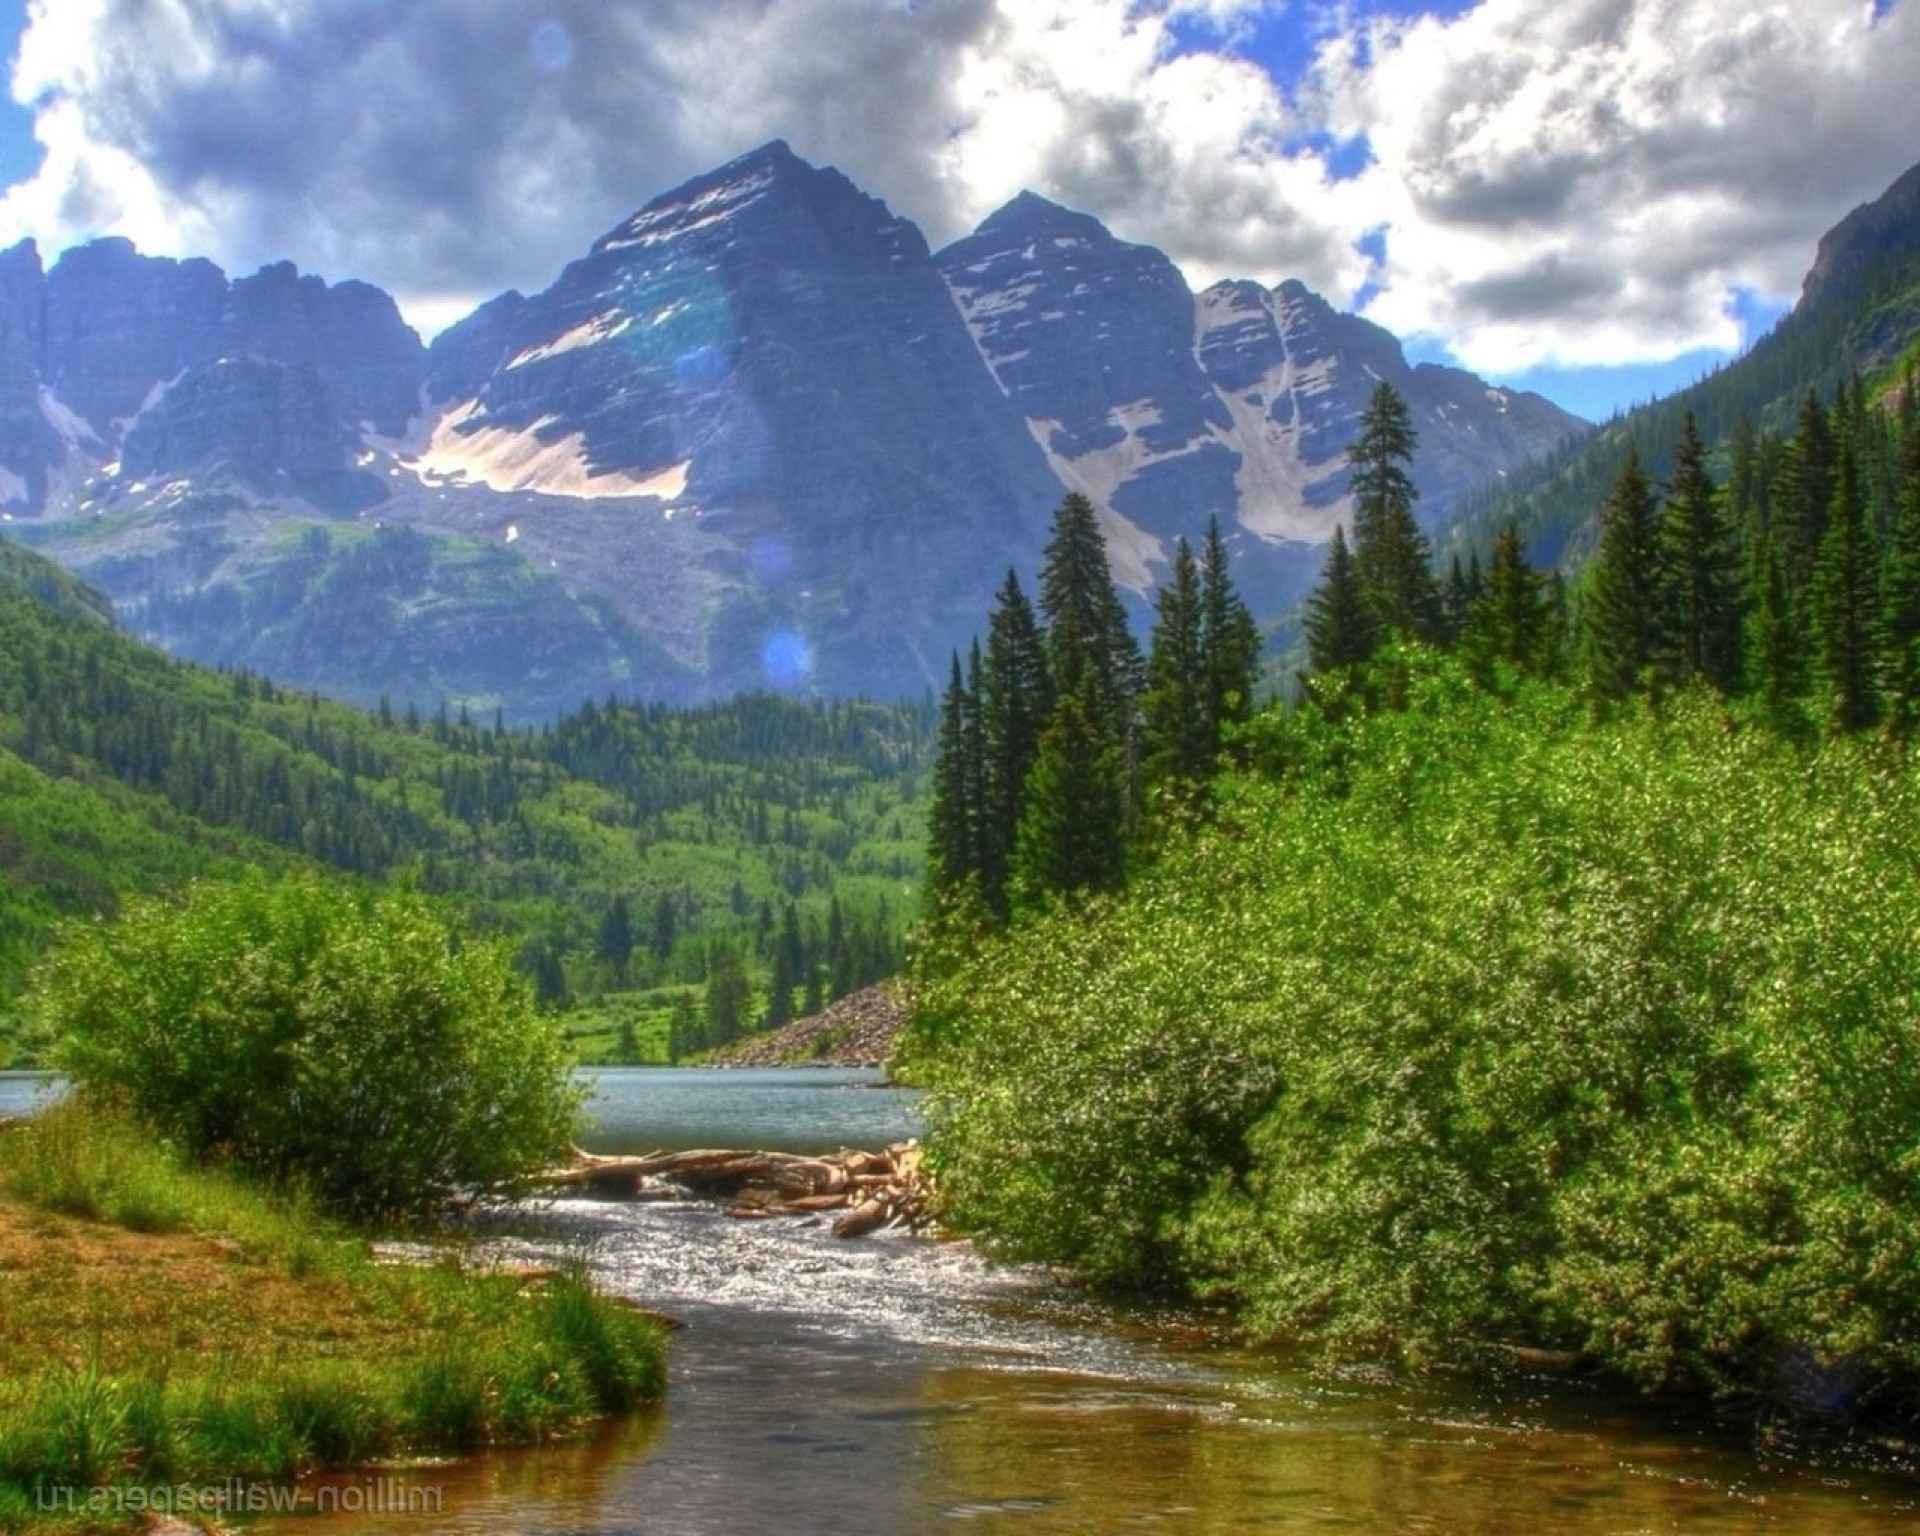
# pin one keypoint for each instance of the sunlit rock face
(758, 436)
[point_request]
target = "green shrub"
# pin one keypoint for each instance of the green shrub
(317, 1036)
(1481, 1019)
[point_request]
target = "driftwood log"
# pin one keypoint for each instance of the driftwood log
(869, 1190)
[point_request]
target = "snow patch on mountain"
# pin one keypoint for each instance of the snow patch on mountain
(506, 459)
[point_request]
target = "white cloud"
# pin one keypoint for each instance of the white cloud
(1590, 181)
(1576, 181)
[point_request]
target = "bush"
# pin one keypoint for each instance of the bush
(316, 1036)
(1479, 1019)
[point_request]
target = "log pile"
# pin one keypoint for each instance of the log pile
(863, 1191)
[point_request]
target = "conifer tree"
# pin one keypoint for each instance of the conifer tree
(1622, 608)
(1391, 555)
(1339, 626)
(1510, 621)
(951, 809)
(1804, 497)
(1845, 601)
(1229, 641)
(1094, 672)
(1700, 570)
(1179, 739)
(1016, 698)
(1071, 838)
(1900, 581)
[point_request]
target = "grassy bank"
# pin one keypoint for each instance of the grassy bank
(160, 1326)
(1481, 1019)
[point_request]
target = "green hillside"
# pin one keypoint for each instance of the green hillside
(634, 853)
(1858, 317)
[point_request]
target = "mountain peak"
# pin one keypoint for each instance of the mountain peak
(1030, 216)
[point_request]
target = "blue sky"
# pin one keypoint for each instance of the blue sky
(1600, 199)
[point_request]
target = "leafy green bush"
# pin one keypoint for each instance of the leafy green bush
(1481, 1019)
(317, 1036)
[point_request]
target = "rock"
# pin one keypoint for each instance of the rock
(860, 1030)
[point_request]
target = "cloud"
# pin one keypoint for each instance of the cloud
(1570, 181)
(1593, 181)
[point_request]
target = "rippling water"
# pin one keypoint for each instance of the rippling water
(901, 1385)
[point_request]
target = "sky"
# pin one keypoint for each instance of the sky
(1600, 199)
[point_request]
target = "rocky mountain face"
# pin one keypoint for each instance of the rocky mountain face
(759, 435)
(1166, 408)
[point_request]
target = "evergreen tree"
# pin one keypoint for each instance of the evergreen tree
(1700, 571)
(616, 936)
(1229, 641)
(1775, 672)
(1087, 633)
(952, 808)
(1510, 621)
(1845, 601)
(726, 1000)
(1900, 582)
(1391, 555)
(1179, 740)
(1016, 697)
(1622, 607)
(1805, 493)
(1071, 836)
(1339, 626)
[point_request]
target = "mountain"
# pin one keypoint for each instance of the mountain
(1166, 408)
(759, 435)
(1858, 316)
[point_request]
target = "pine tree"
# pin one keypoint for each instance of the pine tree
(1087, 633)
(1391, 555)
(1016, 697)
(1900, 581)
(1510, 621)
(1340, 629)
(952, 809)
(1622, 608)
(616, 936)
(1775, 671)
(1071, 837)
(1700, 573)
(1229, 642)
(1804, 497)
(1845, 601)
(1178, 739)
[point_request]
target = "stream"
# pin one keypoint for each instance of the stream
(901, 1385)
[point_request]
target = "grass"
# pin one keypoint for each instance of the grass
(160, 1325)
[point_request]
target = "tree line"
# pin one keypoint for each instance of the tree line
(1793, 579)
(1062, 746)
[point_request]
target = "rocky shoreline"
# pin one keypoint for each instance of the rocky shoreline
(859, 1030)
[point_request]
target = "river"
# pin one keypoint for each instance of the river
(900, 1385)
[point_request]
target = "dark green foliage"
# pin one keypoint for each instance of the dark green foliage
(1016, 700)
(1900, 581)
(1481, 1019)
(1701, 568)
(126, 772)
(1072, 837)
(346, 1044)
(1512, 622)
(1392, 558)
(1180, 739)
(1340, 631)
(1229, 642)
(1845, 601)
(1622, 608)
(1087, 633)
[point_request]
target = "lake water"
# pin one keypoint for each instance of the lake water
(19, 1091)
(904, 1385)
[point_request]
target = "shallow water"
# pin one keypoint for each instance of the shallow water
(905, 1385)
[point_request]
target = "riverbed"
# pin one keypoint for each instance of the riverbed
(902, 1385)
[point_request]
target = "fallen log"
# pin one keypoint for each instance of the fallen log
(870, 1189)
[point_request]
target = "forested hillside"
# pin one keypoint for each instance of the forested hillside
(1858, 318)
(723, 866)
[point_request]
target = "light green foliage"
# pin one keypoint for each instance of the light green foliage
(343, 1043)
(1480, 1019)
